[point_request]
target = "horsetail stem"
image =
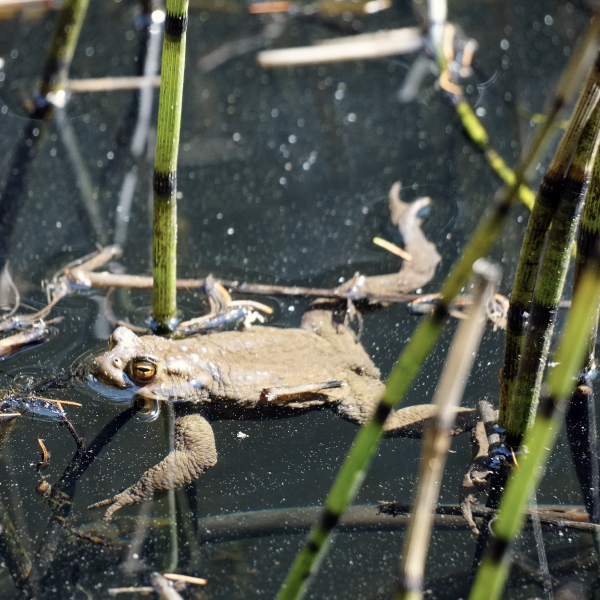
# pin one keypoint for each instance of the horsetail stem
(546, 203)
(164, 292)
(540, 438)
(588, 239)
(550, 282)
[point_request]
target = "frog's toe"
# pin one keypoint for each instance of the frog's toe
(115, 503)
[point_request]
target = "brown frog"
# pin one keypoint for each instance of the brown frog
(260, 372)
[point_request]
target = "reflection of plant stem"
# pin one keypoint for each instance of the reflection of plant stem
(354, 468)
(62, 46)
(150, 58)
(11, 550)
(54, 77)
(438, 30)
(63, 490)
(84, 181)
(164, 307)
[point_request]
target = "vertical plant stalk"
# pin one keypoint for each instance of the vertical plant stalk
(545, 206)
(551, 279)
(436, 440)
(540, 438)
(353, 470)
(164, 249)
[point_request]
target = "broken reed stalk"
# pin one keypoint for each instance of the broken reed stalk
(353, 470)
(164, 248)
(436, 440)
(469, 120)
(541, 437)
(473, 127)
(546, 203)
(550, 282)
(54, 77)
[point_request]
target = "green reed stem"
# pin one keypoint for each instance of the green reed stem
(546, 203)
(353, 470)
(164, 302)
(550, 283)
(540, 438)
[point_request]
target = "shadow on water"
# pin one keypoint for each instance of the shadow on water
(282, 176)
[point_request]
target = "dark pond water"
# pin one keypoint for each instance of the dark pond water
(283, 178)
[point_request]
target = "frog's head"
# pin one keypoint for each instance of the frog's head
(156, 368)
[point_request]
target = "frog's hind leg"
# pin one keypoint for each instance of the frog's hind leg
(194, 453)
(405, 422)
(411, 421)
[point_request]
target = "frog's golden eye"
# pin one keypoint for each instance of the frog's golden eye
(142, 371)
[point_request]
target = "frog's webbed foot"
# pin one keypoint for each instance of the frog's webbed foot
(411, 421)
(194, 453)
(477, 478)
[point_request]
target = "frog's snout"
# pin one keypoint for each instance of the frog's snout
(109, 370)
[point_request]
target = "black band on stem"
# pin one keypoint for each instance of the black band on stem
(176, 26)
(165, 184)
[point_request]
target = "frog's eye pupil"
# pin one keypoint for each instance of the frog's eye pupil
(143, 370)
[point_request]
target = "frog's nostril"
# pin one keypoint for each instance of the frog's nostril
(117, 362)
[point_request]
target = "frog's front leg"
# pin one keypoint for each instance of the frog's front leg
(194, 453)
